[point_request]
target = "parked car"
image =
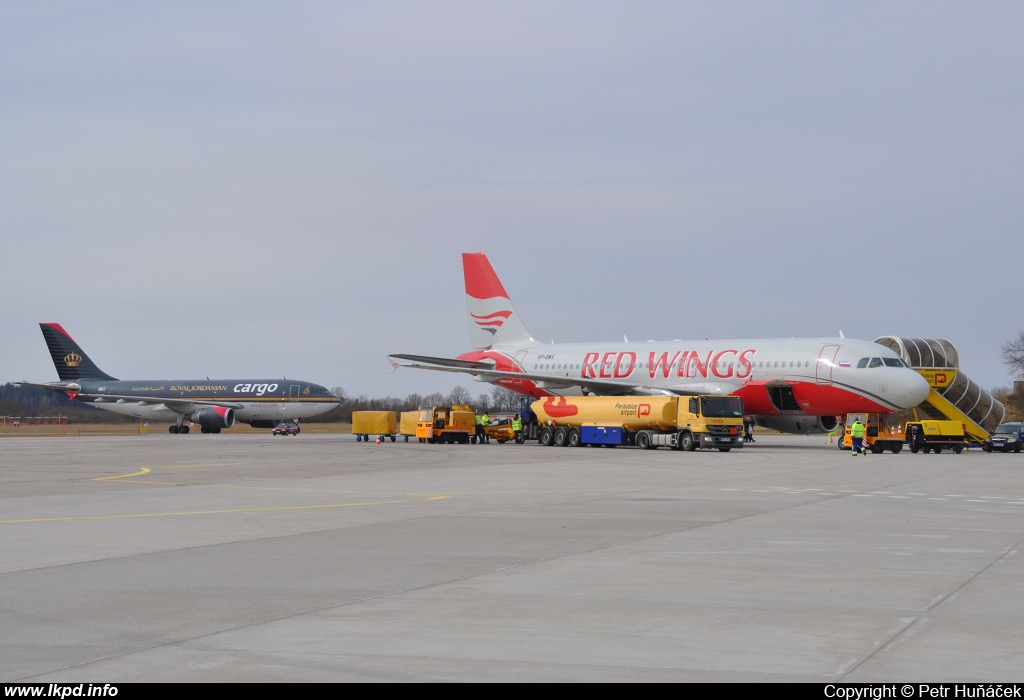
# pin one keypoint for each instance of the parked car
(288, 427)
(1006, 437)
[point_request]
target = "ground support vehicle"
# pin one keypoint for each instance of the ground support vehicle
(881, 432)
(383, 424)
(649, 422)
(501, 432)
(446, 424)
(936, 435)
(407, 421)
(1006, 437)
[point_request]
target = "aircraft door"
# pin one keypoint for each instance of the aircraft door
(521, 363)
(293, 392)
(826, 361)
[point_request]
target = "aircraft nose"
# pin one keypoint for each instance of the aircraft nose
(915, 389)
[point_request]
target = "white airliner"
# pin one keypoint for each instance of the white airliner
(794, 385)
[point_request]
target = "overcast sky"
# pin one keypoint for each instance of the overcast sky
(245, 189)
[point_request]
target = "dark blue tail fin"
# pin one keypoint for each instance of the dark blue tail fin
(70, 360)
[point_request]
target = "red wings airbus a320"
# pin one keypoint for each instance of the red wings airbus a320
(794, 385)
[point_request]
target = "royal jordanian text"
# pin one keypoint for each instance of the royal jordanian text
(61, 690)
(923, 690)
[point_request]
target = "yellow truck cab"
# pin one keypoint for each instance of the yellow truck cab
(444, 424)
(882, 432)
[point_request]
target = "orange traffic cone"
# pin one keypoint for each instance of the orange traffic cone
(378, 439)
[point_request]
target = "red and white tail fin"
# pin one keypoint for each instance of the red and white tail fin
(492, 318)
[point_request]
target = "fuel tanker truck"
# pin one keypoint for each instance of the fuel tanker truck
(649, 422)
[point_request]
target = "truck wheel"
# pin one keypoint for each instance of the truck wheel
(896, 447)
(643, 440)
(937, 449)
(546, 437)
(876, 449)
(958, 449)
(573, 440)
(560, 436)
(686, 442)
(914, 449)
(432, 440)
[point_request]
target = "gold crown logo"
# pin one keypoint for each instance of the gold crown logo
(72, 360)
(306, 392)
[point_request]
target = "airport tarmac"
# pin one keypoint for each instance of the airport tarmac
(316, 558)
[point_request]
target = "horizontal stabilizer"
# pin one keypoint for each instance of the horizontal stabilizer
(446, 361)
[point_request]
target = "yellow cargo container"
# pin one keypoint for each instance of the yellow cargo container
(407, 423)
(381, 423)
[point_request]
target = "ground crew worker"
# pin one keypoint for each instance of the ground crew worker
(517, 426)
(485, 423)
(857, 433)
(479, 436)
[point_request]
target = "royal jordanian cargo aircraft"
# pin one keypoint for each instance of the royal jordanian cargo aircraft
(212, 403)
(794, 385)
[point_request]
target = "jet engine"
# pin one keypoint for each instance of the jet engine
(801, 425)
(213, 417)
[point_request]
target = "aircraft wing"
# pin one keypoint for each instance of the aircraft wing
(691, 388)
(177, 404)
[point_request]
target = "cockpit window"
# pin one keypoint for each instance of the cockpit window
(863, 362)
(893, 362)
(875, 362)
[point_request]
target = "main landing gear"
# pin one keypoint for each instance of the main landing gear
(178, 430)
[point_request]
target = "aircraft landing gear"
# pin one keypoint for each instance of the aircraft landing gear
(173, 430)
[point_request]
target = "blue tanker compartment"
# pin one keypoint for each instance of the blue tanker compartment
(603, 435)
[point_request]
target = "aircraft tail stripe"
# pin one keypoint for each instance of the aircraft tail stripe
(481, 281)
(58, 327)
(502, 314)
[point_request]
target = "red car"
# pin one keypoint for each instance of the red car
(288, 427)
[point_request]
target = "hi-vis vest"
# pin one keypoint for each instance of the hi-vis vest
(857, 430)
(517, 423)
(479, 420)
(486, 420)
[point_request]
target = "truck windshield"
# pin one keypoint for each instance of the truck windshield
(724, 407)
